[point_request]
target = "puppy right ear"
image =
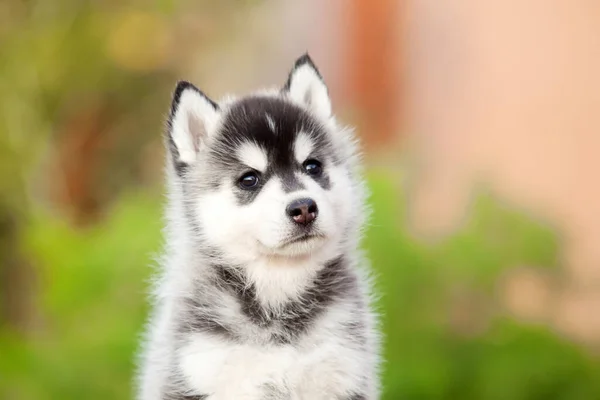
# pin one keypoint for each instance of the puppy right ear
(192, 119)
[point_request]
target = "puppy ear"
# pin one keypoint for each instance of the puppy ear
(192, 119)
(305, 85)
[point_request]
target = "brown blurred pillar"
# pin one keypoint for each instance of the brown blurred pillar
(79, 157)
(373, 68)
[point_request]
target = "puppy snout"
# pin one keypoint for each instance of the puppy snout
(303, 211)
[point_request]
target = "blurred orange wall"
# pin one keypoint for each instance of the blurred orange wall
(508, 92)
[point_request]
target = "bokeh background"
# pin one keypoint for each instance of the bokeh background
(480, 120)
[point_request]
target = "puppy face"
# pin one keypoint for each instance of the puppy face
(266, 175)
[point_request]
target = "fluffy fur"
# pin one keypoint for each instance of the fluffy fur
(250, 303)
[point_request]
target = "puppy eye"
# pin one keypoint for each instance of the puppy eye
(249, 180)
(313, 167)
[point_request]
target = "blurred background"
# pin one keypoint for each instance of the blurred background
(480, 122)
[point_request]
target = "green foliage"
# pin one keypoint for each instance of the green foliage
(93, 287)
(92, 301)
(425, 357)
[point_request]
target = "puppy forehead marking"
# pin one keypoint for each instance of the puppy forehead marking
(246, 121)
(303, 146)
(271, 122)
(253, 156)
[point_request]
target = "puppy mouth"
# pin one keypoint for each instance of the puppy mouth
(295, 246)
(303, 238)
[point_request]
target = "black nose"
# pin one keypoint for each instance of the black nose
(303, 211)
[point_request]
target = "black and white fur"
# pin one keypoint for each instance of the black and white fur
(251, 304)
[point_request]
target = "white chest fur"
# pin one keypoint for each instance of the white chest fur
(325, 365)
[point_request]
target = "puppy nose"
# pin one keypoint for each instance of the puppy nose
(303, 211)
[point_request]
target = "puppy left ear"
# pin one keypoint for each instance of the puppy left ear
(305, 85)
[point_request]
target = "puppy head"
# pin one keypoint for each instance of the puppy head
(266, 175)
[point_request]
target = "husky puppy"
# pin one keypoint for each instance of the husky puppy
(263, 293)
